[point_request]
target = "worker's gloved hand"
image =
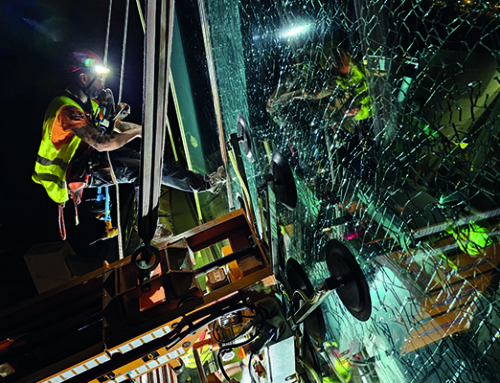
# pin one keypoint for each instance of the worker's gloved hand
(216, 180)
(122, 111)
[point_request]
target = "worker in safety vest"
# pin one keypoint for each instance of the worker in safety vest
(75, 136)
(327, 84)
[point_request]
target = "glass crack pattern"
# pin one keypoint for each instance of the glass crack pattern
(388, 113)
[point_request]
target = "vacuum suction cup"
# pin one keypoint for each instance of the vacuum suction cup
(284, 184)
(297, 278)
(245, 137)
(354, 292)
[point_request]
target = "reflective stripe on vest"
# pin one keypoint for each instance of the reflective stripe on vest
(57, 161)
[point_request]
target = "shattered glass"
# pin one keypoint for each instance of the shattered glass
(388, 114)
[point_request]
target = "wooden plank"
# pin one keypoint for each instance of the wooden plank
(438, 328)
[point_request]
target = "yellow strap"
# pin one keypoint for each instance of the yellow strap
(246, 194)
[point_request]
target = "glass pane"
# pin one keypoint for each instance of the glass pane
(388, 116)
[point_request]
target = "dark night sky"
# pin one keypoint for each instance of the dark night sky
(33, 36)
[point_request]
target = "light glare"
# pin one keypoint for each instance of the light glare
(294, 31)
(101, 70)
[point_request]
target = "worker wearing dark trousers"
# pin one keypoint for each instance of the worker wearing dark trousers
(74, 140)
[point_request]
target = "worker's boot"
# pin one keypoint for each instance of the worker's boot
(162, 235)
(217, 180)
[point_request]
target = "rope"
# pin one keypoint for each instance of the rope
(112, 172)
(106, 43)
(118, 219)
(124, 50)
(113, 176)
(141, 16)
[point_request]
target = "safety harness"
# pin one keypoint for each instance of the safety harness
(78, 179)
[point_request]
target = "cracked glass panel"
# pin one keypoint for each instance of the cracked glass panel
(388, 115)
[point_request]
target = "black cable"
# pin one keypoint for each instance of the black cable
(219, 352)
(250, 368)
(242, 332)
(221, 366)
(168, 341)
(193, 328)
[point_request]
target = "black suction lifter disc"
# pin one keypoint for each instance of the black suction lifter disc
(354, 293)
(245, 137)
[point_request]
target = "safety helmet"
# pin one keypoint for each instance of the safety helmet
(86, 60)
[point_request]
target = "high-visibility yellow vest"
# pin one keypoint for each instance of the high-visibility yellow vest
(51, 163)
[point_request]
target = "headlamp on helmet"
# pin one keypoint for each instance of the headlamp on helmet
(86, 60)
(101, 70)
(94, 66)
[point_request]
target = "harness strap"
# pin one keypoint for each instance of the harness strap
(62, 227)
(76, 196)
(86, 106)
